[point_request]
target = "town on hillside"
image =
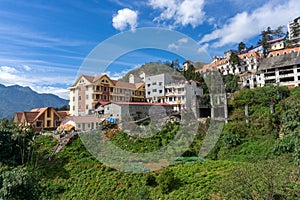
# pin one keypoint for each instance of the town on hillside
(101, 102)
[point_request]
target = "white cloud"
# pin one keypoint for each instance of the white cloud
(27, 68)
(203, 48)
(125, 18)
(39, 83)
(179, 43)
(246, 25)
(180, 12)
(183, 40)
(173, 46)
(61, 92)
(7, 70)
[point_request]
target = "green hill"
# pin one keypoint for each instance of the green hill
(152, 68)
(255, 160)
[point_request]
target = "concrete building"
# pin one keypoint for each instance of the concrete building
(246, 69)
(155, 87)
(294, 29)
(281, 67)
(132, 111)
(184, 95)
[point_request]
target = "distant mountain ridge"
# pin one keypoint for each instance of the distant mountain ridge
(16, 98)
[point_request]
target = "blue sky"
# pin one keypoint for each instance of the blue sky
(44, 43)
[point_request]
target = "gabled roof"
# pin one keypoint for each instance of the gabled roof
(30, 116)
(139, 85)
(63, 113)
(123, 84)
(18, 116)
(88, 78)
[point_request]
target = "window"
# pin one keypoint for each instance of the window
(148, 93)
(154, 90)
(48, 113)
(73, 107)
(104, 88)
(277, 54)
(160, 91)
(79, 98)
(86, 87)
(39, 123)
(86, 106)
(154, 83)
(57, 123)
(148, 85)
(87, 96)
(160, 83)
(73, 98)
(48, 123)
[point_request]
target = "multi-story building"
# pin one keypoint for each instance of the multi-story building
(246, 69)
(155, 87)
(88, 92)
(294, 29)
(281, 67)
(183, 95)
(174, 90)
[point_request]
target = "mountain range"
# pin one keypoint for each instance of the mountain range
(18, 99)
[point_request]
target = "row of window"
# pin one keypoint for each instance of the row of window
(155, 83)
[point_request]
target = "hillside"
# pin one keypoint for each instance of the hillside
(152, 68)
(255, 160)
(17, 99)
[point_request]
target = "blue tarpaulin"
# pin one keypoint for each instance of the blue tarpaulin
(111, 120)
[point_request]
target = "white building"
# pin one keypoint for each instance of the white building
(294, 29)
(247, 68)
(281, 68)
(155, 87)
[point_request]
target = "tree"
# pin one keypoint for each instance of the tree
(268, 35)
(242, 47)
(231, 83)
(265, 37)
(19, 183)
(16, 142)
(234, 59)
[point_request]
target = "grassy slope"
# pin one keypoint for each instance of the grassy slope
(75, 174)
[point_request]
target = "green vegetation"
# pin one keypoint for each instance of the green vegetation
(256, 157)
